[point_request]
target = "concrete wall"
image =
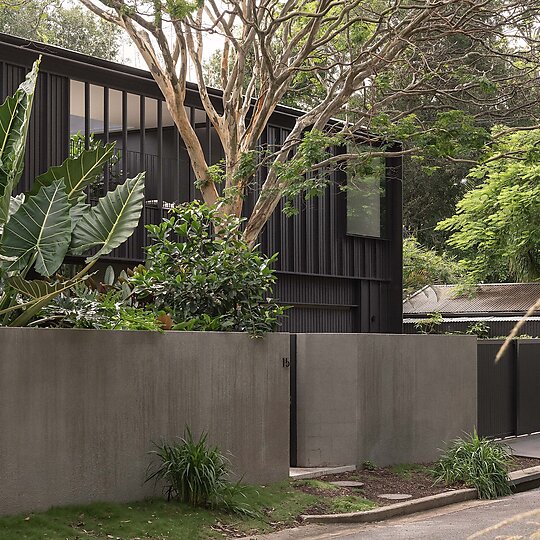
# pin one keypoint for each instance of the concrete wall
(79, 409)
(384, 398)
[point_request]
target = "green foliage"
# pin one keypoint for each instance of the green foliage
(41, 227)
(479, 329)
(407, 470)
(477, 462)
(111, 222)
(197, 474)
(369, 465)
(201, 272)
(423, 266)
(14, 122)
(84, 307)
(495, 227)
(69, 26)
(351, 503)
(179, 9)
(158, 519)
(296, 173)
(430, 325)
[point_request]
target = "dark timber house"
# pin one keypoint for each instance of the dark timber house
(341, 274)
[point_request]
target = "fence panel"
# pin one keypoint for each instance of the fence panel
(496, 390)
(528, 377)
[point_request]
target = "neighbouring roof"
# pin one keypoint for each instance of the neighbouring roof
(490, 298)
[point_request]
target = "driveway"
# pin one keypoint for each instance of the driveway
(511, 518)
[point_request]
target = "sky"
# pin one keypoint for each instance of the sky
(130, 56)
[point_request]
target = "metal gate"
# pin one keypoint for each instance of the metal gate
(509, 391)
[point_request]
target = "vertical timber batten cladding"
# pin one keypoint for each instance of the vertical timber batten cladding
(339, 275)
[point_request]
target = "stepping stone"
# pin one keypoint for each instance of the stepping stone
(395, 496)
(348, 484)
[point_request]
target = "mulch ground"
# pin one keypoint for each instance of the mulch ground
(417, 482)
(524, 463)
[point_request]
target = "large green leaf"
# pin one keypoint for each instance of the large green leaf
(111, 221)
(14, 122)
(77, 211)
(37, 289)
(14, 205)
(40, 293)
(40, 230)
(78, 173)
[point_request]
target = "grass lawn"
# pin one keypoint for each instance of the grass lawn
(278, 506)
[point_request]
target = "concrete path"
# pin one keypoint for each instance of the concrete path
(510, 518)
(528, 446)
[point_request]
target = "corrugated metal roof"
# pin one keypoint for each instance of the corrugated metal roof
(489, 298)
(476, 319)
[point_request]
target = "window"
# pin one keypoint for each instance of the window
(366, 198)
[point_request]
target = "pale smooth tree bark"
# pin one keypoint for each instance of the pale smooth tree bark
(368, 59)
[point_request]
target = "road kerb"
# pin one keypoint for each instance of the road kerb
(517, 478)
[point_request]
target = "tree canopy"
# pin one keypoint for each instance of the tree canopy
(71, 27)
(496, 225)
(377, 64)
(422, 266)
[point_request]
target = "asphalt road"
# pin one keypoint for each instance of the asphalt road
(511, 518)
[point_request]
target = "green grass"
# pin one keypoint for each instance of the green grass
(155, 519)
(351, 503)
(316, 484)
(406, 470)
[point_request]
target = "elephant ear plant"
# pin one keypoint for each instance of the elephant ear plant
(39, 228)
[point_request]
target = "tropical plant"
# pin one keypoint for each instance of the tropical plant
(201, 272)
(477, 462)
(86, 307)
(198, 474)
(52, 220)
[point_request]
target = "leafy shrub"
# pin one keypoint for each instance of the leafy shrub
(431, 324)
(83, 307)
(477, 462)
(479, 329)
(197, 474)
(423, 266)
(202, 273)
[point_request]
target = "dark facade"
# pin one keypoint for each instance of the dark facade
(339, 276)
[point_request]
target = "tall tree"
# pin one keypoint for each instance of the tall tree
(369, 55)
(68, 26)
(496, 226)
(422, 266)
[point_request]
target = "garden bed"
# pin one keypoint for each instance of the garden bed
(414, 480)
(278, 506)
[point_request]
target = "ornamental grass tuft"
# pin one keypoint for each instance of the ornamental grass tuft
(477, 462)
(198, 474)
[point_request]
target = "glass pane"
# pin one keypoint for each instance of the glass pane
(76, 107)
(366, 198)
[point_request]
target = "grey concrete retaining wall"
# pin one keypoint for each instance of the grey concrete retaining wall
(384, 398)
(79, 409)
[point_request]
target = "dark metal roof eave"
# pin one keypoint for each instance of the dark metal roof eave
(115, 68)
(469, 314)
